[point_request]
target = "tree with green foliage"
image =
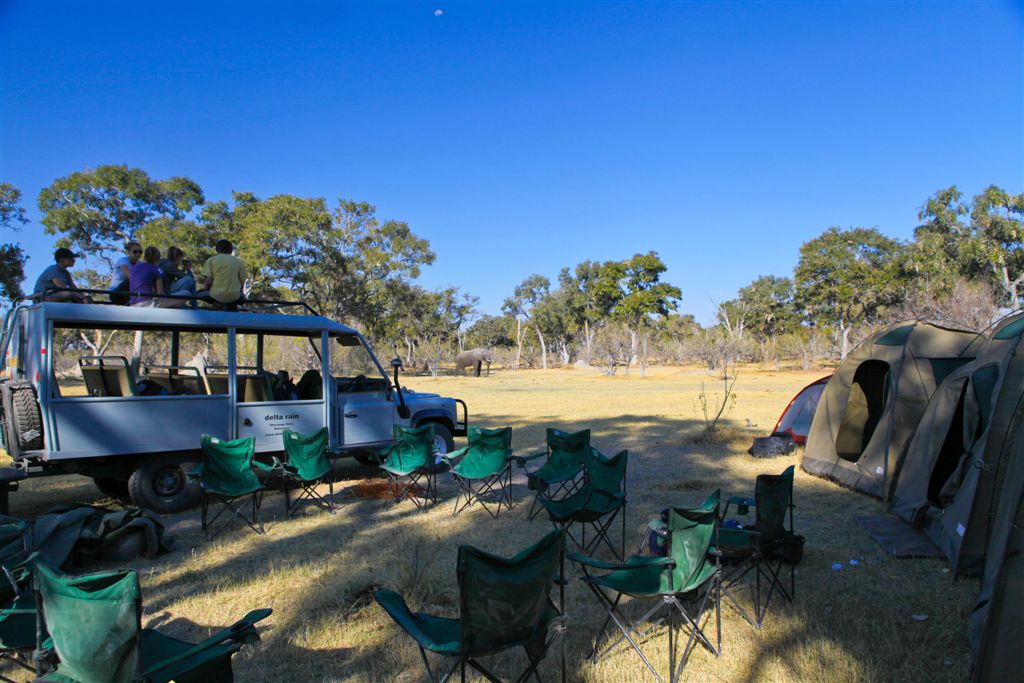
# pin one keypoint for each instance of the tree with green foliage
(519, 306)
(846, 277)
(97, 210)
(12, 258)
(997, 221)
(491, 331)
(589, 303)
(558, 320)
(636, 294)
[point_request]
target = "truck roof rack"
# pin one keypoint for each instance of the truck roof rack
(243, 306)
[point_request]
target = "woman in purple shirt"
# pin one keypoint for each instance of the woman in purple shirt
(146, 279)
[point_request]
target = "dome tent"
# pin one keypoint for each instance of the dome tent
(953, 470)
(870, 407)
(795, 421)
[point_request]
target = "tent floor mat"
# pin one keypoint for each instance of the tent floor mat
(898, 538)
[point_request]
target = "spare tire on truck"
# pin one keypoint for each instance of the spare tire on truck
(24, 422)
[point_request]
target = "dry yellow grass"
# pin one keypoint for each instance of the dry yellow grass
(317, 570)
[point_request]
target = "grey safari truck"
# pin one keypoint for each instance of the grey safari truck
(123, 394)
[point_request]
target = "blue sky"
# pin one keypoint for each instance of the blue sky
(524, 137)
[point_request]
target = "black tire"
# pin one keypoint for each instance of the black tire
(114, 487)
(27, 421)
(159, 483)
(443, 438)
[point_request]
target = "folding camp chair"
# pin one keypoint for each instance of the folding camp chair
(94, 622)
(596, 504)
(685, 577)
(17, 602)
(483, 467)
(409, 461)
(559, 475)
(763, 547)
(503, 604)
(227, 475)
(306, 464)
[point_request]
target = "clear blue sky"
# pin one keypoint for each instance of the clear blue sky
(524, 137)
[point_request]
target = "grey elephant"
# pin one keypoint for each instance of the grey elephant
(473, 358)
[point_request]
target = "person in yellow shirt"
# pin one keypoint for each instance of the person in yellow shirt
(223, 276)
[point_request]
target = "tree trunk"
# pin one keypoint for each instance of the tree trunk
(588, 338)
(519, 341)
(137, 352)
(543, 348)
(844, 340)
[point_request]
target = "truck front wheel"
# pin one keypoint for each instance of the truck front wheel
(160, 483)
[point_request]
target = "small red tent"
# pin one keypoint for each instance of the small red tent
(796, 419)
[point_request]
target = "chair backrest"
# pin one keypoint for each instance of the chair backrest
(606, 474)
(107, 375)
(488, 453)
(227, 465)
(691, 532)
(93, 621)
(177, 379)
(254, 388)
(567, 449)
(500, 437)
(414, 446)
(307, 453)
(505, 602)
(773, 496)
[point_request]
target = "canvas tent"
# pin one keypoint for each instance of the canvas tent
(870, 407)
(796, 419)
(954, 468)
(997, 621)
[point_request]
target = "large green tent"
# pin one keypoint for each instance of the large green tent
(871, 406)
(953, 470)
(997, 621)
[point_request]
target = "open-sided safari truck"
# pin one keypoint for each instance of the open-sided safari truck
(123, 394)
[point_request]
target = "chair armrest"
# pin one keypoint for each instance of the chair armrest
(741, 500)
(270, 469)
(451, 456)
(658, 526)
(635, 562)
(242, 631)
(196, 473)
(521, 460)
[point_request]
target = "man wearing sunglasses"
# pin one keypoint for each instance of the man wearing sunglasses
(119, 280)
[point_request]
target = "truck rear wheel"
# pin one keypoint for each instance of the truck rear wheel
(160, 483)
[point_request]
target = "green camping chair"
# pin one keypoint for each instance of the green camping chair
(227, 475)
(559, 474)
(306, 464)
(763, 547)
(409, 461)
(596, 504)
(686, 582)
(503, 604)
(94, 622)
(483, 467)
(17, 602)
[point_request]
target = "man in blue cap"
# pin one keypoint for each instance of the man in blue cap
(57, 275)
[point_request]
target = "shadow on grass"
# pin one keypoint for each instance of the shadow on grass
(318, 571)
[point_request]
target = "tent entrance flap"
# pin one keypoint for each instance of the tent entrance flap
(864, 408)
(953, 449)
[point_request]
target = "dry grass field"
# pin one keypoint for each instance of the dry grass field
(317, 570)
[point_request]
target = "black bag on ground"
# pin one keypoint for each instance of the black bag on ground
(772, 446)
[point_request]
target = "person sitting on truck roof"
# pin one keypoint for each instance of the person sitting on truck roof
(178, 279)
(120, 279)
(223, 277)
(57, 275)
(146, 279)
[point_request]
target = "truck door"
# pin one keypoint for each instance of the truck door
(267, 394)
(365, 403)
